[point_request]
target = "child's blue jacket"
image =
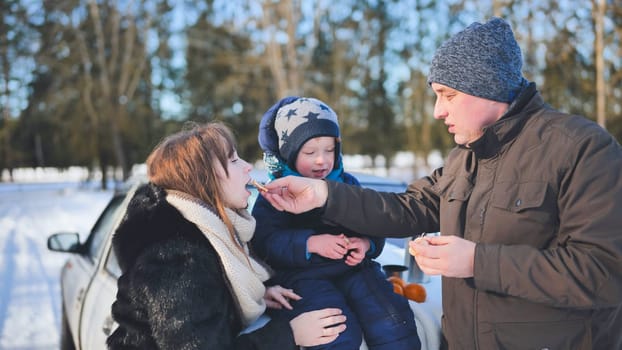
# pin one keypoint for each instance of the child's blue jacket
(281, 241)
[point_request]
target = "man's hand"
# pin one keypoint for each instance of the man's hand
(449, 256)
(296, 194)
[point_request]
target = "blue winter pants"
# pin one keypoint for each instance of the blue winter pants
(372, 309)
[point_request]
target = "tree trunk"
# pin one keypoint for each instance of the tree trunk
(118, 151)
(286, 63)
(598, 14)
(103, 164)
(39, 150)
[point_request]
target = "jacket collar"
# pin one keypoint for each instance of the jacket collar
(149, 219)
(509, 125)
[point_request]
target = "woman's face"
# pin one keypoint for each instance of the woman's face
(234, 187)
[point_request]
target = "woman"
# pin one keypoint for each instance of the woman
(188, 280)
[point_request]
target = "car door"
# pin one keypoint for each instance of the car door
(97, 322)
(90, 262)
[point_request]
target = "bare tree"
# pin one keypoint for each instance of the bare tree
(598, 15)
(286, 60)
(14, 32)
(112, 68)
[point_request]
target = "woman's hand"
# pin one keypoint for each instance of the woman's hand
(277, 297)
(317, 327)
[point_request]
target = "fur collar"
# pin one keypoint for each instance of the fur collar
(150, 219)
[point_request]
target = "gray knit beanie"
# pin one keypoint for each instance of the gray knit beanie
(483, 60)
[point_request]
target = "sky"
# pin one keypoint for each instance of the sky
(29, 273)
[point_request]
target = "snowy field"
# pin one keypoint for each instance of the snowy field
(29, 273)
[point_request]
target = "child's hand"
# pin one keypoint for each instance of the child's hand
(356, 250)
(329, 246)
(277, 297)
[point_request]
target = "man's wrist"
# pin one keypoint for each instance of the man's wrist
(321, 194)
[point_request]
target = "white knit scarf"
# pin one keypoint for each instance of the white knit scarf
(246, 280)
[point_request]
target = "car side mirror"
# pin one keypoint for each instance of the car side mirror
(64, 242)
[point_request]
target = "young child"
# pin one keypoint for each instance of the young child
(326, 265)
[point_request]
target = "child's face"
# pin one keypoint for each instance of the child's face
(235, 192)
(316, 157)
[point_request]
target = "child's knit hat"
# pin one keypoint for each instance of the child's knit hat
(483, 60)
(291, 122)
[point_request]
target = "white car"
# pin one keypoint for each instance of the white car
(89, 277)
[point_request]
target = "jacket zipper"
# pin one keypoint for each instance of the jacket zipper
(482, 219)
(475, 328)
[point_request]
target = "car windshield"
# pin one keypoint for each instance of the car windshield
(94, 244)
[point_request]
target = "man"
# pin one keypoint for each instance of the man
(529, 206)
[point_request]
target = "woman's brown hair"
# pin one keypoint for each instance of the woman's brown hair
(185, 161)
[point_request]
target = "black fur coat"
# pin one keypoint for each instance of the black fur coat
(173, 293)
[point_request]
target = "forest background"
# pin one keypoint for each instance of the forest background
(97, 83)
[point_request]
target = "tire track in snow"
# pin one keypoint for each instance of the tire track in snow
(7, 276)
(50, 281)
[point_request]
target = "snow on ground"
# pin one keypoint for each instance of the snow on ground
(29, 273)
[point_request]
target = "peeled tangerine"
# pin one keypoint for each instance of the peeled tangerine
(420, 241)
(415, 292)
(396, 280)
(398, 289)
(398, 284)
(411, 251)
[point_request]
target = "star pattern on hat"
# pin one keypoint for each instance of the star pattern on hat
(311, 116)
(291, 113)
(284, 136)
